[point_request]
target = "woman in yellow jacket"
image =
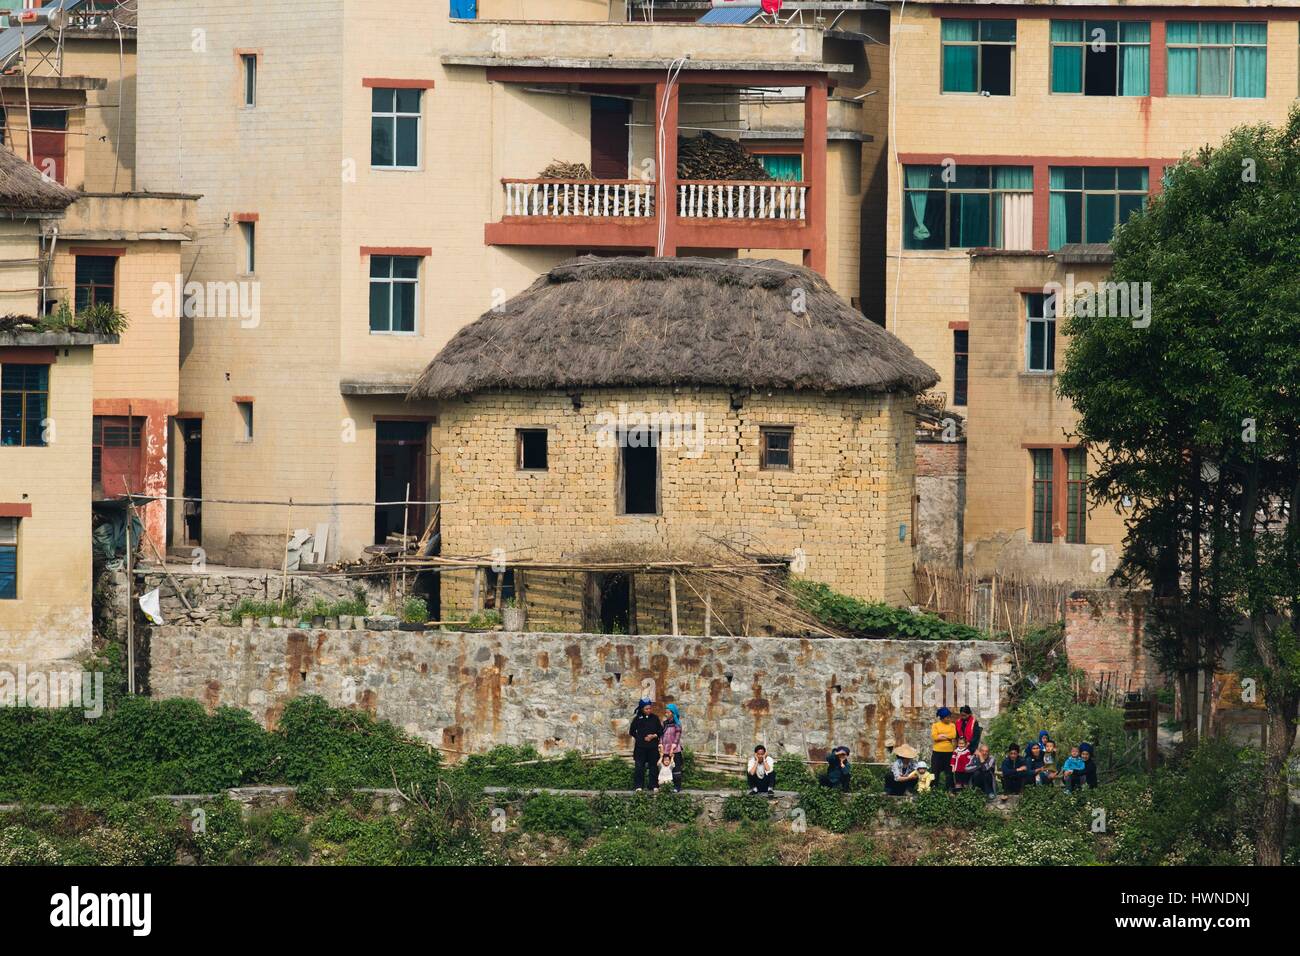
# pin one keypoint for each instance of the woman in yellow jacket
(943, 736)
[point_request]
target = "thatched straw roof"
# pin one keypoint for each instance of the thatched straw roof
(24, 189)
(676, 321)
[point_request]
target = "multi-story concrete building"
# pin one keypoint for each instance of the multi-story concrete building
(46, 388)
(1020, 135)
(371, 183)
(68, 108)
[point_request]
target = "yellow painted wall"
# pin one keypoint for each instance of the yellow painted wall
(50, 623)
(1010, 408)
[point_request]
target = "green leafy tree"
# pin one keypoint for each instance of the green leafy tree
(1195, 417)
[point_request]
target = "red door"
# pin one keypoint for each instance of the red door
(50, 143)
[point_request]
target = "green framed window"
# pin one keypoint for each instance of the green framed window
(962, 207)
(978, 56)
(395, 128)
(394, 293)
(1040, 332)
(1101, 57)
(1076, 495)
(1088, 202)
(1216, 58)
(1041, 461)
(24, 404)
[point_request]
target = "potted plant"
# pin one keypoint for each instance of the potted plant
(415, 614)
(513, 617)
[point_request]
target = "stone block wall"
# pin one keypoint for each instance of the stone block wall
(471, 691)
(1103, 635)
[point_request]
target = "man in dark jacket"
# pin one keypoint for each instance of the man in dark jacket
(1014, 771)
(644, 730)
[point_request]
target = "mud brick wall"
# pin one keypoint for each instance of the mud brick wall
(844, 502)
(472, 691)
(1103, 634)
(940, 501)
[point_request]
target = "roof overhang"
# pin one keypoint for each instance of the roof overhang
(377, 387)
(657, 66)
(56, 339)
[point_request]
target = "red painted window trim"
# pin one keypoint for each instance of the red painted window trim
(28, 355)
(959, 326)
(238, 399)
(431, 419)
(389, 83)
(1154, 14)
(246, 217)
(15, 510)
(117, 252)
(420, 252)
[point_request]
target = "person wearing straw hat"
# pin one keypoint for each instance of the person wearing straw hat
(903, 774)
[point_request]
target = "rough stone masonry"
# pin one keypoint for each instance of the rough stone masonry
(471, 691)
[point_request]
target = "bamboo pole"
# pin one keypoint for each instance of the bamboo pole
(672, 599)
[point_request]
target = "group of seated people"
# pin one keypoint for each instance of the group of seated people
(962, 760)
(958, 756)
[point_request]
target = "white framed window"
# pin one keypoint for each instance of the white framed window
(396, 126)
(249, 63)
(394, 294)
(248, 247)
(1040, 332)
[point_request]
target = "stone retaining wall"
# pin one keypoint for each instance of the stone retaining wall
(468, 692)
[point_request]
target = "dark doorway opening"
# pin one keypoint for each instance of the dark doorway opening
(610, 138)
(192, 486)
(401, 474)
(1100, 71)
(609, 604)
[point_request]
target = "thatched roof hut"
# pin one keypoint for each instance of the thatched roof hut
(24, 189)
(629, 321)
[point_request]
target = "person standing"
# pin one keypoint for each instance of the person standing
(645, 731)
(968, 727)
(943, 737)
(670, 743)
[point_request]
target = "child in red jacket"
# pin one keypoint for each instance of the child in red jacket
(962, 763)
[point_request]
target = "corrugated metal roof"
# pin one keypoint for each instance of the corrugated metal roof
(730, 15)
(11, 39)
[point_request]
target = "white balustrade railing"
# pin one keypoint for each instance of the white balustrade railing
(722, 199)
(586, 199)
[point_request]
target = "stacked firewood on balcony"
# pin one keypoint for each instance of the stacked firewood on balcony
(712, 157)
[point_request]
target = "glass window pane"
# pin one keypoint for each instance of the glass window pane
(1133, 177)
(960, 29)
(1100, 217)
(1036, 350)
(408, 101)
(1133, 31)
(1252, 33)
(404, 307)
(1181, 31)
(1099, 177)
(379, 297)
(1182, 72)
(959, 68)
(381, 101)
(1066, 177)
(1067, 69)
(381, 141)
(406, 267)
(1214, 68)
(1067, 31)
(408, 146)
(969, 220)
(971, 177)
(998, 30)
(1249, 77)
(1013, 177)
(381, 267)
(1216, 31)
